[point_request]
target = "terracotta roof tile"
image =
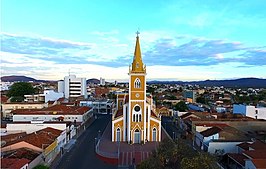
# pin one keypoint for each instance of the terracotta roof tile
(22, 153)
(56, 109)
(13, 163)
(256, 154)
(42, 138)
(185, 115)
(239, 158)
(119, 113)
(259, 163)
(210, 131)
(244, 145)
(258, 145)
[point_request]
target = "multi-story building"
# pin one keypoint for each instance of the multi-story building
(102, 81)
(103, 106)
(190, 96)
(250, 111)
(73, 87)
(5, 85)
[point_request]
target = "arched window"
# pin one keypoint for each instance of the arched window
(154, 134)
(136, 113)
(118, 134)
(137, 83)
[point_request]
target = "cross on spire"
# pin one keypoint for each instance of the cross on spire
(137, 33)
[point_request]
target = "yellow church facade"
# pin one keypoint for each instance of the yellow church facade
(135, 119)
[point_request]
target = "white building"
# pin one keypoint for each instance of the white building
(7, 108)
(33, 126)
(73, 86)
(5, 85)
(102, 81)
(99, 106)
(48, 95)
(54, 113)
(250, 111)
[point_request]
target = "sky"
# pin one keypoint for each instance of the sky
(180, 40)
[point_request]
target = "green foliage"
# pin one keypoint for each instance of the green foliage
(17, 99)
(41, 167)
(19, 89)
(181, 106)
(178, 154)
(201, 99)
(202, 160)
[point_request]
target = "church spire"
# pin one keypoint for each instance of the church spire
(137, 64)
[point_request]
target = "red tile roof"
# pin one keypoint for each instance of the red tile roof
(12, 137)
(211, 124)
(13, 163)
(22, 153)
(244, 146)
(56, 109)
(42, 138)
(185, 115)
(3, 99)
(119, 113)
(259, 163)
(210, 131)
(258, 145)
(239, 158)
(256, 154)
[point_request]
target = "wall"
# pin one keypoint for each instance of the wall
(50, 95)
(8, 107)
(239, 109)
(36, 161)
(228, 147)
(18, 117)
(31, 127)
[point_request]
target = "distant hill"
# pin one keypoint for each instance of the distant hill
(23, 79)
(243, 82)
(17, 79)
(94, 81)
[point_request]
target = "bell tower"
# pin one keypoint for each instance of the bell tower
(137, 98)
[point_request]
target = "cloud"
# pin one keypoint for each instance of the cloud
(31, 55)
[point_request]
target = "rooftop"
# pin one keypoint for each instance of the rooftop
(210, 131)
(13, 163)
(53, 110)
(42, 138)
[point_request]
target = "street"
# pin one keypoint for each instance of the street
(82, 155)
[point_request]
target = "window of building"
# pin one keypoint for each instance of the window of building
(137, 83)
(154, 134)
(136, 114)
(118, 134)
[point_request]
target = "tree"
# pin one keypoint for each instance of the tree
(202, 160)
(41, 167)
(201, 99)
(18, 90)
(181, 106)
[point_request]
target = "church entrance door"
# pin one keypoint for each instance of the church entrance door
(137, 136)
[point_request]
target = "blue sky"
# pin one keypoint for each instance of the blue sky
(180, 40)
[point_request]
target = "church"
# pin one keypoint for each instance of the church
(135, 119)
